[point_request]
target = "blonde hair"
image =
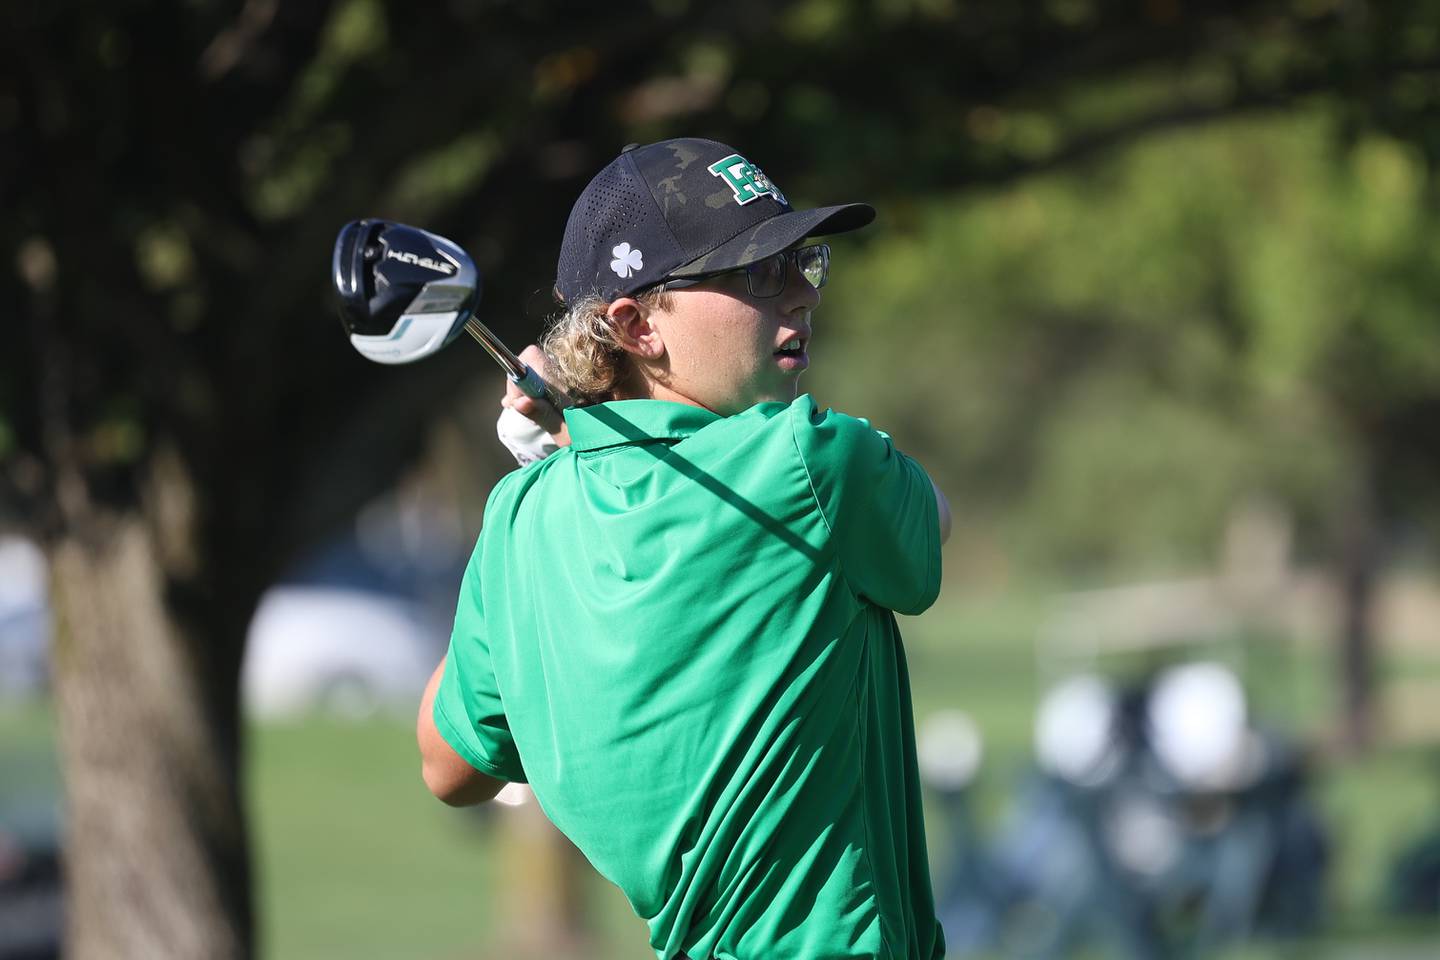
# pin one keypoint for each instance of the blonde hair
(582, 348)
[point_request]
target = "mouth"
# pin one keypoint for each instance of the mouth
(794, 346)
(791, 354)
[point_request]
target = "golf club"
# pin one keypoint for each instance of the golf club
(405, 293)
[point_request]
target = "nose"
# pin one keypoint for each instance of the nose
(800, 295)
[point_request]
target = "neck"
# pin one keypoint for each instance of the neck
(641, 387)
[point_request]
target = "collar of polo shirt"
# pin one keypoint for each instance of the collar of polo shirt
(633, 421)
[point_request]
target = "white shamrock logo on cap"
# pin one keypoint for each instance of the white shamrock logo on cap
(627, 260)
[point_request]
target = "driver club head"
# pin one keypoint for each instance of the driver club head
(404, 293)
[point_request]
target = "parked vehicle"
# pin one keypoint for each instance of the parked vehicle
(24, 619)
(340, 651)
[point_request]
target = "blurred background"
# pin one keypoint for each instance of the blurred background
(1153, 294)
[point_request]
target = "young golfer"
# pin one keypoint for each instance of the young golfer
(679, 628)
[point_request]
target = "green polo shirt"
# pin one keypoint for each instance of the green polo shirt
(679, 631)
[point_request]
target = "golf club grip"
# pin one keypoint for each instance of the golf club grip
(531, 385)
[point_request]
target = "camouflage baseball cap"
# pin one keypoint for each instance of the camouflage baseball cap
(681, 208)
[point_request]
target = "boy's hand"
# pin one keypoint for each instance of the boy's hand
(530, 429)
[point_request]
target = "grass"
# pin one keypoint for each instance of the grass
(355, 860)
(347, 846)
(427, 880)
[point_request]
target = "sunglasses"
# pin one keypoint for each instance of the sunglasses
(767, 277)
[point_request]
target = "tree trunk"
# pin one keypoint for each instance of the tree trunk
(542, 899)
(1359, 570)
(155, 847)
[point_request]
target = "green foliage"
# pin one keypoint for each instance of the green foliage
(293, 160)
(483, 120)
(434, 179)
(1115, 355)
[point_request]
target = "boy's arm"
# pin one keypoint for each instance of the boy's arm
(447, 775)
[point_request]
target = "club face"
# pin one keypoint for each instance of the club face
(404, 293)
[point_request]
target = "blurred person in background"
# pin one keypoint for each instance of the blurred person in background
(679, 628)
(1162, 820)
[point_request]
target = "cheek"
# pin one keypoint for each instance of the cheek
(735, 354)
(720, 342)
(723, 365)
(698, 354)
(712, 341)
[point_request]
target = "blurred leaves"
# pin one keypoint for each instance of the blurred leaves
(184, 168)
(162, 252)
(1121, 352)
(439, 177)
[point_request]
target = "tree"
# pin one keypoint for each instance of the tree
(1125, 355)
(179, 421)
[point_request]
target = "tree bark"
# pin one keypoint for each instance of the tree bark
(1359, 569)
(155, 847)
(542, 899)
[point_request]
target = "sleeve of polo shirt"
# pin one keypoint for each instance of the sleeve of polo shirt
(878, 504)
(468, 710)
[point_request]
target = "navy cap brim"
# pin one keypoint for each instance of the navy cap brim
(776, 234)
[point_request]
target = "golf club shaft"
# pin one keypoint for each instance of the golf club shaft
(516, 369)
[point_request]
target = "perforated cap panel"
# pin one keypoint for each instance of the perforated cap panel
(616, 240)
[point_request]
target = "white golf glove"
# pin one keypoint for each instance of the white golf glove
(526, 440)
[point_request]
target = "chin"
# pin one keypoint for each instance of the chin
(785, 395)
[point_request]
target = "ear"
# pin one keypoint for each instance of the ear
(637, 331)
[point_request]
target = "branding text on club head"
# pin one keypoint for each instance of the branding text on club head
(405, 256)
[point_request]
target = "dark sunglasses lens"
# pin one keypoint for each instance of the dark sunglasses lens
(767, 277)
